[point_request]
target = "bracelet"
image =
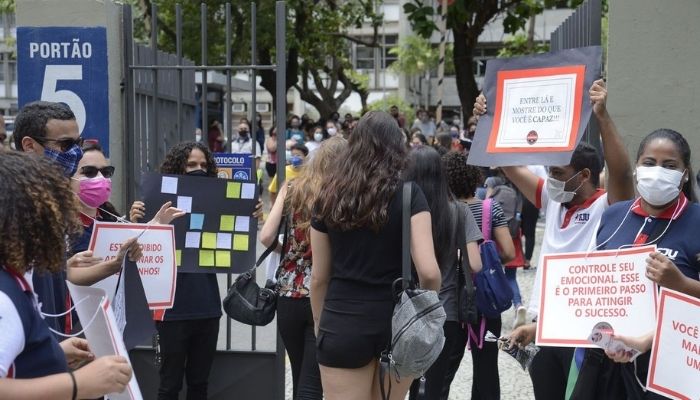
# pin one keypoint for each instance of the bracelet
(75, 385)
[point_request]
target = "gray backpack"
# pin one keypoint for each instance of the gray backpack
(417, 334)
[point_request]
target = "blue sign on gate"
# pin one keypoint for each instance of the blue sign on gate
(67, 65)
(238, 167)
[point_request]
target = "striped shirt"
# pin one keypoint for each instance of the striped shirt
(497, 216)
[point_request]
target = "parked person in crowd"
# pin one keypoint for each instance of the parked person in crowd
(318, 136)
(471, 127)
(335, 117)
(425, 124)
(570, 193)
(666, 214)
(464, 180)
(215, 137)
(443, 143)
(332, 128)
(295, 159)
(400, 119)
(426, 170)
(418, 139)
(243, 143)
(294, 318)
(294, 131)
(43, 214)
(356, 241)
(348, 118)
(271, 147)
(259, 132)
(188, 332)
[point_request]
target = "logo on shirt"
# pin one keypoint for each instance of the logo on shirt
(582, 218)
(670, 253)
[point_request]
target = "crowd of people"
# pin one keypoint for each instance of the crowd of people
(336, 223)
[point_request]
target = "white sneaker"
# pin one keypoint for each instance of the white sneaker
(520, 316)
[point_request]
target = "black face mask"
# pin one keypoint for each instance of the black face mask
(197, 172)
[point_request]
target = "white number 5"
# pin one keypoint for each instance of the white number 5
(55, 73)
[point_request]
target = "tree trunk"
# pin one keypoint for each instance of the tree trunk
(531, 34)
(464, 69)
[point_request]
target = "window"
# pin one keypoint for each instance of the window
(364, 57)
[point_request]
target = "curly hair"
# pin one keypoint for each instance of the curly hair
(463, 179)
(176, 160)
(302, 194)
(40, 211)
(359, 186)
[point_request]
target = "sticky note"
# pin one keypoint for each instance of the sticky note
(240, 242)
(196, 221)
(192, 240)
(223, 240)
(248, 191)
(233, 190)
(206, 258)
(168, 185)
(226, 223)
(208, 240)
(178, 257)
(184, 203)
(223, 258)
(242, 224)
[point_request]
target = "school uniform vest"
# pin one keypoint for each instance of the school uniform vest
(41, 355)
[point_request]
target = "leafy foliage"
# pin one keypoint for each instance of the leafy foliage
(393, 100)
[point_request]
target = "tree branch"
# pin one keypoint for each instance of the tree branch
(373, 43)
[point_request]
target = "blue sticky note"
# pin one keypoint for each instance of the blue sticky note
(196, 221)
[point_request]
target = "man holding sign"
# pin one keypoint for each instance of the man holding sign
(574, 205)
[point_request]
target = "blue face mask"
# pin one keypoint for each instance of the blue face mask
(68, 160)
(296, 161)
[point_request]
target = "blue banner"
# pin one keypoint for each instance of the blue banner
(67, 65)
(238, 167)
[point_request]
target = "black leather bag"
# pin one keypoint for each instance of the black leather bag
(246, 301)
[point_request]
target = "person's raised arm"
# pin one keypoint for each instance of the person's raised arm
(320, 273)
(620, 185)
(269, 231)
(423, 252)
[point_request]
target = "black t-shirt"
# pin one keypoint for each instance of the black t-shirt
(365, 263)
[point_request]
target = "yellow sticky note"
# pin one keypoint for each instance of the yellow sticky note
(178, 257)
(240, 242)
(233, 190)
(206, 258)
(227, 222)
(223, 258)
(208, 240)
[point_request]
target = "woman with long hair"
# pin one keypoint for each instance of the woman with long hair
(425, 169)
(356, 241)
(294, 319)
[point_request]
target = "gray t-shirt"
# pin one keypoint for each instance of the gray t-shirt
(448, 291)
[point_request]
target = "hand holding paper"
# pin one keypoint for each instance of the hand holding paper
(77, 351)
(664, 272)
(83, 259)
(108, 374)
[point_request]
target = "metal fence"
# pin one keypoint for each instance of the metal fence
(160, 110)
(581, 29)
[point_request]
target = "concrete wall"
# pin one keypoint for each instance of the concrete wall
(87, 13)
(653, 64)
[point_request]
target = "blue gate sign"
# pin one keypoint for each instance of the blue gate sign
(67, 65)
(238, 167)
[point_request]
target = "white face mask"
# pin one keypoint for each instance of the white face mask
(657, 185)
(556, 191)
(318, 136)
(332, 131)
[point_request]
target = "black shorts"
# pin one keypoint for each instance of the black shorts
(352, 333)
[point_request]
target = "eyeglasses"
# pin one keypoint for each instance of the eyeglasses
(64, 144)
(90, 172)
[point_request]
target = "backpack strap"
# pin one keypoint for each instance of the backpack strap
(406, 237)
(486, 206)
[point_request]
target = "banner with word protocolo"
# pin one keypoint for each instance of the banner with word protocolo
(674, 368)
(580, 290)
(538, 108)
(157, 267)
(67, 65)
(238, 167)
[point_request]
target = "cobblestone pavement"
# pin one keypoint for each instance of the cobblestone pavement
(515, 383)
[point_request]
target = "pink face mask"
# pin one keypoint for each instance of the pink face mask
(95, 191)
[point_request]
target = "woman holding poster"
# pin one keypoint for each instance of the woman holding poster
(40, 211)
(666, 215)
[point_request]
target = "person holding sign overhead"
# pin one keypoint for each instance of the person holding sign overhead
(666, 214)
(41, 211)
(574, 205)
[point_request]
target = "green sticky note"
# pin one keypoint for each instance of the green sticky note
(206, 258)
(226, 223)
(208, 240)
(240, 242)
(178, 257)
(233, 190)
(223, 258)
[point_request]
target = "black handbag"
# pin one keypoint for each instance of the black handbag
(466, 292)
(246, 301)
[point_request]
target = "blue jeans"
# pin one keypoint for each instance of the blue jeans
(510, 275)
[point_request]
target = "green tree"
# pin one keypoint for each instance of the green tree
(414, 56)
(318, 42)
(385, 103)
